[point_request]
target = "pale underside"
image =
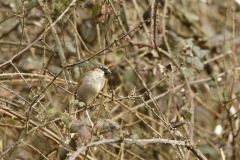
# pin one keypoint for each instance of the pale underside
(91, 85)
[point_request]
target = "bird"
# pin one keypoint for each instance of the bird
(91, 83)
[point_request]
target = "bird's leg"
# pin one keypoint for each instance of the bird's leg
(89, 119)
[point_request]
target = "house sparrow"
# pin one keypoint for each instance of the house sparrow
(92, 83)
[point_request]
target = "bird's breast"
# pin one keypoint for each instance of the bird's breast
(91, 85)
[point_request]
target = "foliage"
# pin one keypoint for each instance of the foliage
(173, 92)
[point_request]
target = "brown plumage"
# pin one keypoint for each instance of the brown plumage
(92, 83)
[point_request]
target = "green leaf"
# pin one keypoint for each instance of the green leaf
(30, 4)
(66, 121)
(214, 75)
(81, 104)
(93, 63)
(51, 111)
(191, 17)
(189, 60)
(31, 64)
(84, 64)
(69, 47)
(13, 121)
(96, 9)
(206, 149)
(198, 64)
(188, 72)
(141, 145)
(120, 56)
(75, 102)
(129, 75)
(215, 96)
(200, 53)
(136, 133)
